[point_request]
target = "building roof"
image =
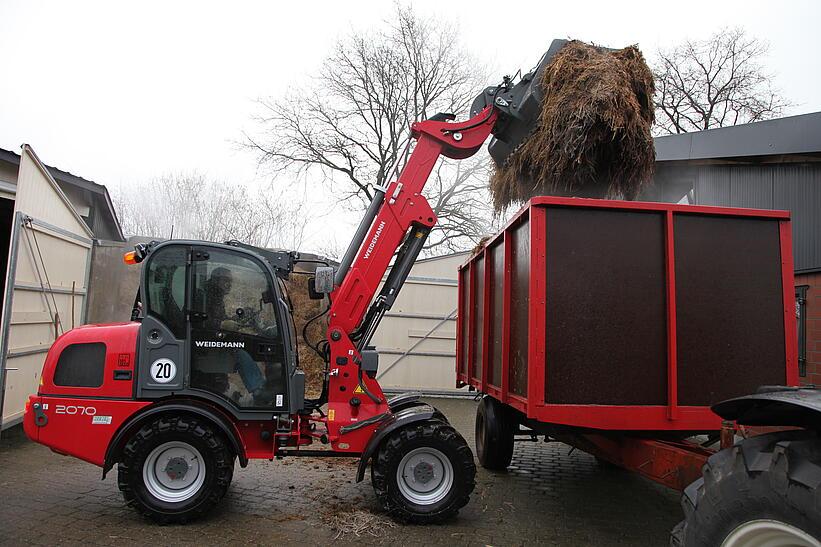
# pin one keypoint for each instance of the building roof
(97, 193)
(440, 257)
(793, 135)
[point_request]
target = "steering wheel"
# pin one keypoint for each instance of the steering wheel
(249, 317)
(246, 316)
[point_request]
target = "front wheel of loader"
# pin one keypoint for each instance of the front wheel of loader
(175, 469)
(423, 473)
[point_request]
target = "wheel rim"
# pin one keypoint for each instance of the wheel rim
(766, 533)
(424, 476)
(174, 472)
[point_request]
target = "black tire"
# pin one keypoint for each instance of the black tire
(216, 455)
(494, 434)
(441, 437)
(775, 476)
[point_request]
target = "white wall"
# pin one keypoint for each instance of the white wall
(48, 284)
(418, 320)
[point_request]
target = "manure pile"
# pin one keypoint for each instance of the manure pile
(593, 135)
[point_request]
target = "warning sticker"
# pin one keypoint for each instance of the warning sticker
(331, 414)
(279, 399)
(358, 389)
(101, 420)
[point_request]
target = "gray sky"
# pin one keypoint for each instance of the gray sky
(120, 92)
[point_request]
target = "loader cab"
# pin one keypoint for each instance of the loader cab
(216, 326)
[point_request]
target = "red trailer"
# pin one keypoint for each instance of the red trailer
(617, 326)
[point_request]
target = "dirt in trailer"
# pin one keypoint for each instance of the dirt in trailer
(549, 497)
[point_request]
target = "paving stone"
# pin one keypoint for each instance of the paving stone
(549, 496)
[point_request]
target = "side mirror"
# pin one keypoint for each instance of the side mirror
(324, 280)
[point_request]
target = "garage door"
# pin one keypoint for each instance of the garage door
(46, 284)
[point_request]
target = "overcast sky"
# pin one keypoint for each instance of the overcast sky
(121, 92)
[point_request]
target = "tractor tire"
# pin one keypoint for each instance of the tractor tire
(762, 491)
(423, 473)
(175, 469)
(494, 434)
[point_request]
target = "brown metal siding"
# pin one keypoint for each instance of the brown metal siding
(519, 304)
(478, 318)
(729, 307)
(606, 315)
(497, 260)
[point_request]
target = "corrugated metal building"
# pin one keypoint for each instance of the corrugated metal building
(774, 164)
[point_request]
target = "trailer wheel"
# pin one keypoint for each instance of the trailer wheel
(175, 469)
(762, 491)
(423, 473)
(494, 434)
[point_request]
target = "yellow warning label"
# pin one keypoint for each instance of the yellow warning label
(331, 413)
(358, 390)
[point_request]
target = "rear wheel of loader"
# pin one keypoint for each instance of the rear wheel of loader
(494, 434)
(762, 491)
(175, 469)
(424, 472)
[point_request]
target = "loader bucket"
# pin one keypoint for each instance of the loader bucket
(520, 107)
(578, 124)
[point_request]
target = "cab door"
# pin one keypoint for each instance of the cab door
(236, 350)
(163, 352)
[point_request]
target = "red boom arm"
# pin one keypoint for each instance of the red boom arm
(404, 208)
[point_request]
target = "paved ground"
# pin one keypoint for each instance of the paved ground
(548, 497)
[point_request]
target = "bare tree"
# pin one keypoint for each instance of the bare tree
(350, 126)
(461, 202)
(713, 83)
(192, 206)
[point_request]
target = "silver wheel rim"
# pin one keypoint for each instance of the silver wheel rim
(174, 472)
(768, 533)
(424, 476)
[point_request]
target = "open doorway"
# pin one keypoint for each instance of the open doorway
(6, 219)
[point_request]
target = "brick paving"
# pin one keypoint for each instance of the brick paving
(549, 497)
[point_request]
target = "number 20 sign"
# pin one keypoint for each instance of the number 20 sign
(163, 371)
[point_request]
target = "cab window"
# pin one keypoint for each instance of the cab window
(165, 288)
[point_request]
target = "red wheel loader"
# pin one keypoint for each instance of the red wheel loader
(206, 374)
